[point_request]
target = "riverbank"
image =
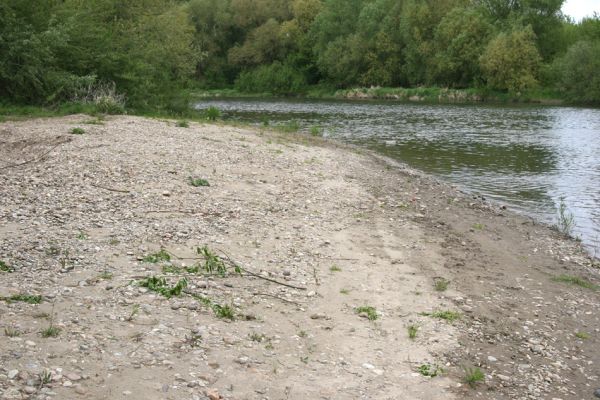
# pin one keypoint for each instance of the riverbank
(356, 276)
(428, 95)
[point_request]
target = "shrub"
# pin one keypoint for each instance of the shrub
(212, 113)
(276, 78)
(580, 72)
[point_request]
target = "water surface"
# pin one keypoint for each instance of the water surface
(528, 157)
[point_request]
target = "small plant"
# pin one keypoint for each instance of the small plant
(574, 280)
(369, 312)
(45, 378)
(344, 291)
(77, 131)
(82, 236)
(51, 331)
(134, 311)
(160, 256)
(11, 332)
(159, 285)
(565, 219)
(182, 124)
(25, 298)
(302, 334)
(4, 267)
(290, 127)
(257, 337)
(441, 284)
(212, 262)
(430, 370)
(412, 331)
(198, 182)
(105, 276)
(223, 312)
(479, 226)
(96, 121)
(449, 316)
(212, 113)
(335, 268)
(316, 131)
(193, 340)
(582, 335)
(473, 376)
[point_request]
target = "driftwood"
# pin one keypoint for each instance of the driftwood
(38, 158)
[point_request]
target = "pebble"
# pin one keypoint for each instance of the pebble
(492, 359)
(73, 377)
(13, 373)
(597, 393)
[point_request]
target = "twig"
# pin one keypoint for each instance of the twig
(36, 159)
(110, 189)
(254, 274)
(276, 297)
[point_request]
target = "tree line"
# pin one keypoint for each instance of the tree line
(150, 51)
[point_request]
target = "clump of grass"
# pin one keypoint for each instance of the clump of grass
(11, 332)
(368, 311)
(106, 276)
(344, 291)
(182, 124)
(257, 337)
(212, 262)
(193, 340)
(582, 335)
(574, 280)
(223, 312)
(51, 331)
(45, 378)
(441, 284)
(212, 113)
(473, 376)
(447, 315)
(289, 127)
(479, 226)
(430, 370)
(134, 311)
(198, 182)
(77, 131)
(159, 285)
(4, 267)
(316, 131)
(335, 268)
(96, 121)
(25, 298)
(412, 331)
(82, 236)
(172, 269)
(565, 219)
(159, 256)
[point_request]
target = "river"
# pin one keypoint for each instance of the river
(526, 157)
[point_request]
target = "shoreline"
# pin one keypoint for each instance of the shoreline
(353, 228)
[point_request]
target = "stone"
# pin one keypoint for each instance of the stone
(213, 394)
(73, 377)
(597, 393)
(80, 389)
(29, 389)
(13, 373)
(492, 359)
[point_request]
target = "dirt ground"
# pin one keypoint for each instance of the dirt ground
(323, 258)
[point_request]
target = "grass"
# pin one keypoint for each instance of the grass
(289, 127)
(473, 376)
(182, 124)
(134, 311)
(335, 268)
(95, 121)
(159, 285)
(212, 113)
(316, 131)
(430, 370)
(82, 236)
(198, 182)
(51, 331)
(4, 267)
(412, 331)
(171, 269)
(447, 315)
(257, 337)
(223, 312)
(106, 276)
(159, 256)
(565, 219)
(45, 378)
(582, 335)
(25, 298)
(77, 131)
(11, 332)
(574, 280)
(345, 291)
(479, 226)
(441, 284)
(368, 311)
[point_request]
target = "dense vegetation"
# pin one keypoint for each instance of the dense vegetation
(145, 53)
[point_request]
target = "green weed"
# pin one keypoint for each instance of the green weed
(223, 312)
(412, 331)
(182, 124)
(368, 311)
(430, 370)
(212, 262)
(257, 337)
(96, 121)
(449, 316)
(316, 131)
(11, 332)
(25, 298)
(479, 226)
(289, 127)
(335, 268)
(473, 375)
(82, 236)
(441, 284)
(134, 311)
(51, 331)
(105, 276)
(45, 378)
(77, 131)
(582, 335)
(212, 113)
(159, 285)
(565, 219)
(198, 182)
(574, 280)
(160, 256)
(4, 267)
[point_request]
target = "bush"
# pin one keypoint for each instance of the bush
(276, 78)
(580, 72)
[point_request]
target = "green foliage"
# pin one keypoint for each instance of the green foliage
(441, 284)
(368, 311)
(198, 182)
(77, 131)
(159, 256)
(577, 281)
(430, 370)
(223, 312)
(212, 113)
(51, 331)
(565, 219)
(276, 78)
(25, 298)
(449, 316)
(412, 331)
(579, 72)
(182, 124)
(212, 262)
(4, 267)
(473, 376)
(582, 335)
(511, 61)
(159, 285)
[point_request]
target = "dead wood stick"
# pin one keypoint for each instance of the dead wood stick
(36, 159)
(110, 189)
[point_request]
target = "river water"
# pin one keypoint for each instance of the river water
(526, 157)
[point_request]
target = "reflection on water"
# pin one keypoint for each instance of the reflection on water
(527, 157)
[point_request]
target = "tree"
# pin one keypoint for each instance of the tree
(511, 61)
(580, 72)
